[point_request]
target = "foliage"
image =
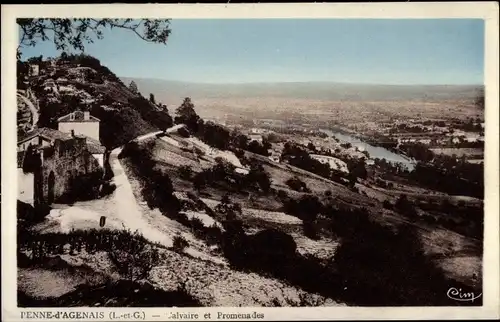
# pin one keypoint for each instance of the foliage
(74, 33)
(184, 132)
(185, 172)
(136, 262)
(148, 112)
(299, 157)
(307, 208)
(298, 185)
(405, 206)
(133, 87)
(156, 186)
(180, 243)
(259, 148)
(258, 176)
(187, 115)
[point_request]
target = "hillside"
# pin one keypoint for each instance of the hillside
(200, 211)
(66, 84)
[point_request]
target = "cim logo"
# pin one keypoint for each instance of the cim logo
(458, 295)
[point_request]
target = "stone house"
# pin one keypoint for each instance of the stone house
(52, 163)
(256, 137)
(63, 171)
(81, 122)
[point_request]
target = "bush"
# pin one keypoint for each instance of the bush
(258, 178)
(137, 264)
(310, 229)
(298, 185)
(184, 132)
(185, 172)
(306, 208)
(107, 189)
(180, 243)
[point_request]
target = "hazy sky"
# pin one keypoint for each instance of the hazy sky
(410, 51)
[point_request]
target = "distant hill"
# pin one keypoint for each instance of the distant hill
(172, 92)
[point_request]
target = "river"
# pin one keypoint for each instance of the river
(374, 151)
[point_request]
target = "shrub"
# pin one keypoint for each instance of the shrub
(184, 132)
(259, 178)
(107, 189)
(136, 263)
(282, 195)
(387, 204)
(298, 185)
(180, 243)
(185, 172)
(310, 229)
(306, 208)
(269, 250)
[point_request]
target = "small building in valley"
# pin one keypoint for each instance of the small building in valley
(81, 122)
(255, 137)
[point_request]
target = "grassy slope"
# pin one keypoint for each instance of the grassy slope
(449, 248)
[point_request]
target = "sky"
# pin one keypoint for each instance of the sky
(390, 51)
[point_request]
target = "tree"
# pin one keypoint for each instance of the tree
(133, 87)
(152, 98)
(259, 176)
(74, 33)
(187, 115)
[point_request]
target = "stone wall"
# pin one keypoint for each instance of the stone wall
(61, 164)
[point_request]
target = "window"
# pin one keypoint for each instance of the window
(72, 116)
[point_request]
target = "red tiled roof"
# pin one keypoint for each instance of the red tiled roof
(79, 116)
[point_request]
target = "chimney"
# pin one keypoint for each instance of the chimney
(86, 115)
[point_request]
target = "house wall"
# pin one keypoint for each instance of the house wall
(100, 159)
(90, 129)
(66, 160)
(25, 186)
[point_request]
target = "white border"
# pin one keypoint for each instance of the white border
(483, 10)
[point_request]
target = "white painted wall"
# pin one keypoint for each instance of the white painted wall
(90, 129)
(100, 159)
(25, 186)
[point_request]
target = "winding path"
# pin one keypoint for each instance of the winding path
(128, 210)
